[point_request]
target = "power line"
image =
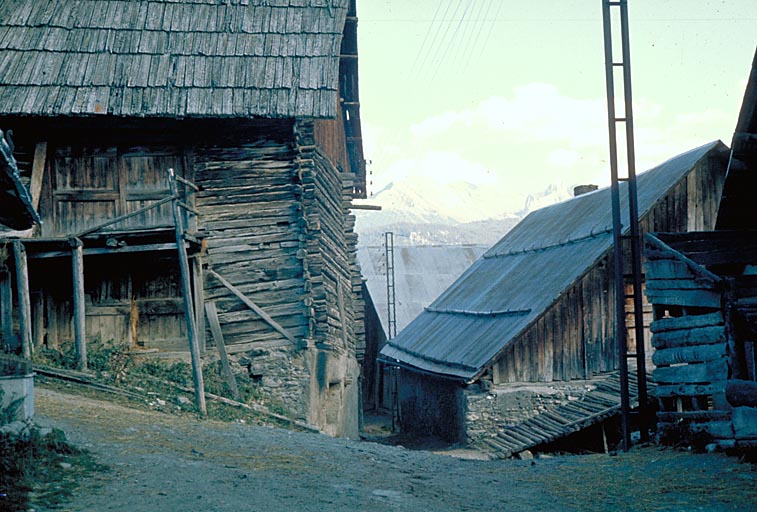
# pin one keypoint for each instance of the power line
(444, 37)
(454, 35)
(425, 38)
(470, 44)
(436, 34)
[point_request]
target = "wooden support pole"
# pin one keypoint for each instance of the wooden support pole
(215, 329)
(250, 304)
(80, 315)
(6, 310)
(38, 320)
(198, 282)
(24, 299)
(189, 312)
(38, 172)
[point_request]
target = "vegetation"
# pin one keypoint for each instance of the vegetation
(40, 470)
(163, 384)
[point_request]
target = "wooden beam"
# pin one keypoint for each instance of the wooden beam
(692, 354)
(198, 283)
(80, 314)
(24, 299)
(215, 329)
(741, 393)
(6, 310)
(709, 372)
(38, 320)
(189, 311)
(38, 172)
(689, 337)
(250, 304)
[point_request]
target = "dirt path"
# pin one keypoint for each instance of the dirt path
(167, 463)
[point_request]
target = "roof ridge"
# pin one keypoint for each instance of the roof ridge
(491, 313)
(568, 241)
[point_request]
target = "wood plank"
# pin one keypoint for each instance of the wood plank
(688, 337)
(80, 316)
(667, 269)
(698, 298)
(38, 172)
(693, 354)
(24, 298)
(671, 417)
(712, 371)
(687, 322)
(745, 422)
(198, 285)
(215, 329)
(679, 390)
(677, 284)
(249, 303)
(741, 393)
(6, 310)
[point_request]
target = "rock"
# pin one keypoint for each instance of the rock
(160, 402)
(184, 400)
(64, 465)
(525, 455)
(711, 448)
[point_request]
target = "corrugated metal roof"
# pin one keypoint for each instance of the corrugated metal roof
(421, 274)
(522, 275)
(238, 58)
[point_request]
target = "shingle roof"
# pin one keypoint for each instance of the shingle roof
(270, 58)
(501, 294)
(421, 274)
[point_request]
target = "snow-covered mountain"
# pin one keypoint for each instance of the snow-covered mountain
(427, 213)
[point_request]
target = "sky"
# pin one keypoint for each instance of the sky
(509, 96)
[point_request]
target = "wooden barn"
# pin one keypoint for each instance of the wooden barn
(703, 288)
(419, 274)
(520, 350)
(254, 105)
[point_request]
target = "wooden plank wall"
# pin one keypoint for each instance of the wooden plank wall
(251, 214)
(331, 250)
(574, 338)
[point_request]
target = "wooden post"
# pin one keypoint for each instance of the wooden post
(24, 300)
(80, 318)
(199, 295)
(6, 309)
(189, 313)
(38, 320)
(38, 172)
(215, 329)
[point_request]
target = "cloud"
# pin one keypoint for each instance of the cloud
(441, 167)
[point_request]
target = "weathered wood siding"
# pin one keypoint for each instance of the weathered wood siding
(275, 223)
(574, 338)
(250, 216)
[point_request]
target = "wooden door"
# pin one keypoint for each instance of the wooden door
(92, 185)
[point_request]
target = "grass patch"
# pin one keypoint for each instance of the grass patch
(159, 381)
(39, 471)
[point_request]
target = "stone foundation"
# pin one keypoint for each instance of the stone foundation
(509, 404)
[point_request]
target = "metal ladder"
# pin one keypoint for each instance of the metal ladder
(634, 236)
(391, 327)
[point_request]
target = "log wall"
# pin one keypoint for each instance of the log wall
(275, 224)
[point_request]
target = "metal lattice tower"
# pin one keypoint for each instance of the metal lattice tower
(620, 237)
(391, 299)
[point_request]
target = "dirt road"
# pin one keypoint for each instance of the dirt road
(161, 462)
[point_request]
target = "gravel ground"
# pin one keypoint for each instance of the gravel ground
(161, 462)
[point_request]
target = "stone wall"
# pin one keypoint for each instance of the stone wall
(487, 411)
